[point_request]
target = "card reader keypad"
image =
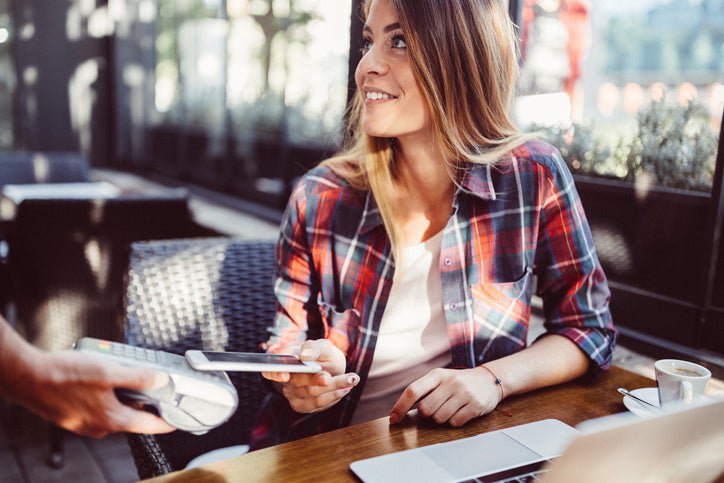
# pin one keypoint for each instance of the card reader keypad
(164, 360)
(137, 353)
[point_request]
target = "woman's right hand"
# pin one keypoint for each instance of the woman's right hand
(311, 393)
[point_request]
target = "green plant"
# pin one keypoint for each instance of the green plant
(671, 145)
(584, 152)
(675, 146)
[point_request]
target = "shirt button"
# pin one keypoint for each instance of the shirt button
(448, 262)
(453, 306)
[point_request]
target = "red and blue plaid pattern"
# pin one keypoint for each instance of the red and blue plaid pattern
(510, 221)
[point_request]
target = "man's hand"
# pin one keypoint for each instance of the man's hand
(75, 391)
(311, 393)
(453, 396)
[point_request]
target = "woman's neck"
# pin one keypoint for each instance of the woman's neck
(423, 199)
(422, 173)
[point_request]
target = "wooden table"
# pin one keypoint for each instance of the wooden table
(326, 457)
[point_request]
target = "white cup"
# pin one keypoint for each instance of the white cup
(680, 381)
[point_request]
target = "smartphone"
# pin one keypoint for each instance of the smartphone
(248, 362)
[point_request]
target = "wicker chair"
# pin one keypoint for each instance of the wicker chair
(17, 167)
(215, 294)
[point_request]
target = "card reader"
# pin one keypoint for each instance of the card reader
(192, 401)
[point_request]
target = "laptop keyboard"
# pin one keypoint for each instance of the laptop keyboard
(535, 476)
(521, 474)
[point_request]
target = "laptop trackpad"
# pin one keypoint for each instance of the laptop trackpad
(454, 460)
(479, 455)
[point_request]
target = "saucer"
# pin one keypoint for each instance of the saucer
(650, 394)
(218, 455)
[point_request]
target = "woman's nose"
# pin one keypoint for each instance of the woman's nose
(373, 62)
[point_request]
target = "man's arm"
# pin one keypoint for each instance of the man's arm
(73, 390)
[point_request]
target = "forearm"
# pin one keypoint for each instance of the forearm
(18, 363)
(553, 359)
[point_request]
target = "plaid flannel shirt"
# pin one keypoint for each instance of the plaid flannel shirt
(519, 217)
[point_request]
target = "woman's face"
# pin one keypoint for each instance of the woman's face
(394, 105)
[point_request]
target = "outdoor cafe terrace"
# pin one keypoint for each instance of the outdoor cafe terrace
(149, 148)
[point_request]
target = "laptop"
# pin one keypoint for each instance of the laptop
(684, 443)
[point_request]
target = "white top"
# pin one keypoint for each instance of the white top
(413, 337)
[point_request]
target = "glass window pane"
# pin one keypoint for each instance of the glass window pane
(288, 68)
(317, 65)
(260, 84)
(631, 93)
(631, 90)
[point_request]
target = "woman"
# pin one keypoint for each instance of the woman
(406, 262)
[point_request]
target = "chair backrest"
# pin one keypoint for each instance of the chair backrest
(213, 294)
(69, 259)
(18, 167)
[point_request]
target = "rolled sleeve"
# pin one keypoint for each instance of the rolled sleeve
(570, 277)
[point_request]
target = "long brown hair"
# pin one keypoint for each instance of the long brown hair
(464, 57)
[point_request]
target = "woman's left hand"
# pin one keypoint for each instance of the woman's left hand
(454, 396)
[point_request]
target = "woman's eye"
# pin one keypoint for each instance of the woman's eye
(366, 46)
(398, 42)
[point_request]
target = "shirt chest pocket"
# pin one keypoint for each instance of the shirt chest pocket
(503, 308)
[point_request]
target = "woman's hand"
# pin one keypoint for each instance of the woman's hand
(311, 393)
(454, 396)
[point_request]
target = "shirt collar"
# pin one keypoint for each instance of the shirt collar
(477, 181)
(371, 216)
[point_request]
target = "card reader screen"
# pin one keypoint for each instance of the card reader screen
(251, 358)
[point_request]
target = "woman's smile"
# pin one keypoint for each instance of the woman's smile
(377, 96)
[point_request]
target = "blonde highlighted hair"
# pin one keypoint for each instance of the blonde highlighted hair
(464, 57)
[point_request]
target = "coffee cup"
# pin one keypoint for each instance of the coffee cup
(680, 381)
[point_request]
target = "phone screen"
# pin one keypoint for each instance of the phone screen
(251, 358)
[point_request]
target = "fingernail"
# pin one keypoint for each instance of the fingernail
(393, 418)
(352, 380)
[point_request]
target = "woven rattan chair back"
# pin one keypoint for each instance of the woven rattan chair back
(214, 294)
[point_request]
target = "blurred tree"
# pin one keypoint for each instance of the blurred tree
(271, 25)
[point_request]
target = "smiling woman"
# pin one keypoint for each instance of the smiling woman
(406, 261)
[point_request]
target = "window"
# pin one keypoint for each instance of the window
(632, 95)
(254, 88)
(607, 76)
